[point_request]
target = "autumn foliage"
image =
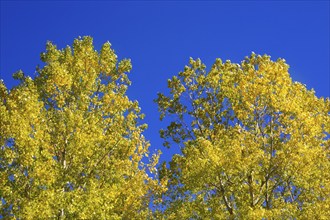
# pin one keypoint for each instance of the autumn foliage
(254, 144)
(71, 140)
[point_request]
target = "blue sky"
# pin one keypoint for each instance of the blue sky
(159, 38)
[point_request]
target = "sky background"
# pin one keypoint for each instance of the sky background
(159, 38)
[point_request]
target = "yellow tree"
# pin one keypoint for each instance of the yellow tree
(255, 144)
(71, 141)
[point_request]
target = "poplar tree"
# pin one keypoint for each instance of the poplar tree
(71, 140)
(254, 143)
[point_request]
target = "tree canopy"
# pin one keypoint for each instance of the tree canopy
(255, 144)
(71, 140)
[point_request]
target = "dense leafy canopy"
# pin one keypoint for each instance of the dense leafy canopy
(255, 144)
(71, 142)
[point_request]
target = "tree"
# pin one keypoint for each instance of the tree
(71, 140)
(255, 144)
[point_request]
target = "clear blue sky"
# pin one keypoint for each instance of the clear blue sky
(160, 37)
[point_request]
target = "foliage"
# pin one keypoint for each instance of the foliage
(71, 142)
(255, 144)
